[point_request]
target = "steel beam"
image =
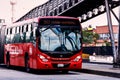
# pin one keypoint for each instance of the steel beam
(118, 56)
(74, 8)
(115, 53)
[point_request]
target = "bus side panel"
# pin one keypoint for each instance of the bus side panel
(2, 42)
(33, 55)
(16, 55)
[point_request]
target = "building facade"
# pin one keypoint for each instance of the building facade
(104, 36)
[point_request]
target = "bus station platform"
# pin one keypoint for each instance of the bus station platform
(100, 69)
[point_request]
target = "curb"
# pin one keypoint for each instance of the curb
(103, 73)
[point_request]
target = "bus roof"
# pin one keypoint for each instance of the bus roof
(37, 19)
(62, 17)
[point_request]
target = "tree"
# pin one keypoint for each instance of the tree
(107, 43)
(89, 37)
(95, 37)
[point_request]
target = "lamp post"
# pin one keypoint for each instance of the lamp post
(12, 3)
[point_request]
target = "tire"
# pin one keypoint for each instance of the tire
(65, 71)
(27, 68)
(8, 60)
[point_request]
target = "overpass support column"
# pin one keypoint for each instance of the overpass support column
(111, 31)
(118, 56)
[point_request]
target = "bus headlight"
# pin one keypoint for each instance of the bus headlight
(43, 58)
(77, 58)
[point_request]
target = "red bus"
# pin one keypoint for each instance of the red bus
(44, 43)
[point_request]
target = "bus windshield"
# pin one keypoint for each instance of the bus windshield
(59, 38)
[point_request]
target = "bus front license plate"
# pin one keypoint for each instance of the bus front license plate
(60, 65)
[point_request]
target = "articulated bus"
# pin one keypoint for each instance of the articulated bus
(43, 43)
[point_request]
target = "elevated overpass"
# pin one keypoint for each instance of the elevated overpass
(85, 9)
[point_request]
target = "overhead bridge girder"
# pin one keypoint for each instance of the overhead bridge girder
(85, 9)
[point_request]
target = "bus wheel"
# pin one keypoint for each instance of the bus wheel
(65, 71)
(27, 68)
(8, 60)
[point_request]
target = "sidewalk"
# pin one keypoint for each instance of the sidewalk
(101, 69)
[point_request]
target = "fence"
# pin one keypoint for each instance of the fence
(101, 50)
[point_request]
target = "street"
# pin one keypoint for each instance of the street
(17, 74)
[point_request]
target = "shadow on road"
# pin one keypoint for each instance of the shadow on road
(39, 72)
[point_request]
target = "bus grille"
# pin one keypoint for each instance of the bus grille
(63, 60)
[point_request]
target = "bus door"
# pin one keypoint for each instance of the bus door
(2, 42)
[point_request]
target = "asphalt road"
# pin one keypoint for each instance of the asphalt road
(19, 74)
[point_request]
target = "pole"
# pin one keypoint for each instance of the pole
(12, 10)
(111, 31)
(118, 55)
(12, 2)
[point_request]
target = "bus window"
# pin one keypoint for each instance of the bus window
(26, 28)
(12, 34)
(22, 29)
(13, 30)
(28, 33)
(8, 37)
(7, 31)
(33, 35)
(29, 27)
(17, 38)
(28, 36)
(18, 30)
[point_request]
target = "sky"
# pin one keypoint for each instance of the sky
(20, 8)
(23, 6)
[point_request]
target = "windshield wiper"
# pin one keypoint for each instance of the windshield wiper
(72, 41)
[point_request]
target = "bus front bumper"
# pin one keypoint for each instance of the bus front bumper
(60, 66)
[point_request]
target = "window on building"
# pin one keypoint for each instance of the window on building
(116, 36)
